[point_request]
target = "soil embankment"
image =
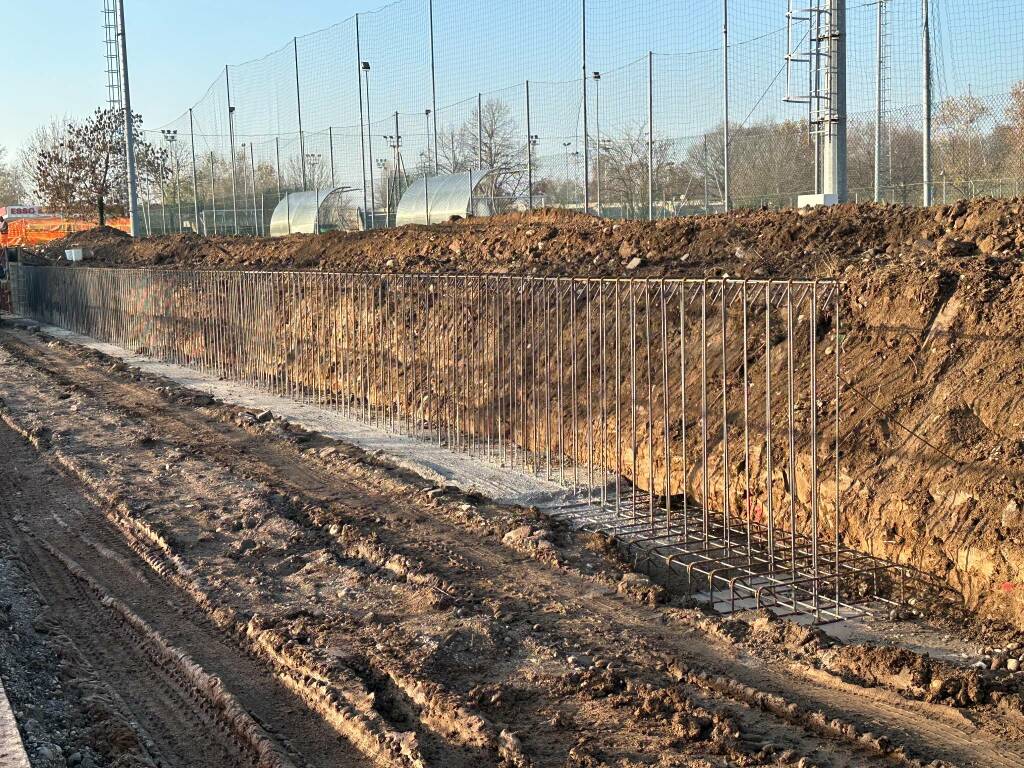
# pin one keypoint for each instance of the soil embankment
(931, 355)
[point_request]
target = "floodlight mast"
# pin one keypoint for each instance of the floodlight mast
(129, 128)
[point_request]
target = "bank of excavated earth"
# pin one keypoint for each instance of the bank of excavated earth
(933, 331)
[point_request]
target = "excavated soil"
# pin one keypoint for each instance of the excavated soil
(931, 351)
(424, 627)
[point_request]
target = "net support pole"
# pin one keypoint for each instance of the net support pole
(479, 131)
(725, 104)
(926, 85)
(330, 144)
(362, 134)
(650, 136)
(433, 84)
(231, 140)
(586, 127)
(195, 170)
(879, 61)
(129, 127)
(529, 150)
(298, 110)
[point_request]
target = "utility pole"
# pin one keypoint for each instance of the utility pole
(926, 148)
(129, 127)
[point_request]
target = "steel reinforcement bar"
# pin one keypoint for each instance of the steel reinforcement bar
(698, 421)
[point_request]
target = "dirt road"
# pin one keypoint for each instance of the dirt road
(359, 616)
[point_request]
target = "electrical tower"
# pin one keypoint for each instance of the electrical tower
(816, 76)
(111, 57)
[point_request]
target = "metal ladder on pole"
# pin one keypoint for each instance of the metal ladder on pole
(115, 99)
(815, 76)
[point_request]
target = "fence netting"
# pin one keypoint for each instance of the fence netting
(615, 106)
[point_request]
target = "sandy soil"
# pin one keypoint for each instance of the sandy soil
(355, 614)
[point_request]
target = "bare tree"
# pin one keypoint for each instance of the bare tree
(1014, 161)
(624, 169)
(79, 167)
(958, 140)
(12, 190)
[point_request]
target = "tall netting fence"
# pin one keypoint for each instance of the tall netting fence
(619, 109)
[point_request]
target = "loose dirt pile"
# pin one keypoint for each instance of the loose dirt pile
(931, 355)
(744, 243)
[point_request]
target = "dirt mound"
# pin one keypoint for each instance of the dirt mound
(95, 238)
(744, 243)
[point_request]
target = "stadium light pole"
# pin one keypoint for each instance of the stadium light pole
(195, 171)
(129, 128)
(365, 67)
(171, 137)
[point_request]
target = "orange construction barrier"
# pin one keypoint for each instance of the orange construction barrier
(39, 231)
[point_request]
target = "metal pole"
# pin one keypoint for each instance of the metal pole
(163, 201)
(298, 109)
(426, 176)
(330, 143)
(597, 120)
(252, 163)
(586, 134)
(480, 132)
(277, 152)
(177, 190)
(706, 210)
(369, 147)
(725, 102)
(231, 137)
(129, 123)
(362, 135)
(879, 55)
(926, 144)
(650, 136)
(433, 83)
(195, 170)
(529, 150)
(213, 190)
(834, 149)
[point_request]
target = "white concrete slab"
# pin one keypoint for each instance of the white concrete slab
(424, 457)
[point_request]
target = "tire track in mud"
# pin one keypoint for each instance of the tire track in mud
(722, 680)
(184, 729)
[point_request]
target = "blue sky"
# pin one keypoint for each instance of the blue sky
(54, 60)
(178, 48)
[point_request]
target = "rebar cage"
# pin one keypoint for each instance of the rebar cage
(696, 421)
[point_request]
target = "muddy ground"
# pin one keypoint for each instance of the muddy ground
(933, 386)
(239, 593)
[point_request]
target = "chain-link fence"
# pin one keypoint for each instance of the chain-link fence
(614, 107)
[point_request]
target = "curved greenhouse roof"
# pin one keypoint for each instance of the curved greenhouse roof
(432, 199)
(313, 212)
